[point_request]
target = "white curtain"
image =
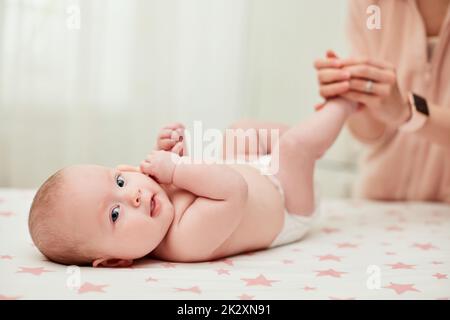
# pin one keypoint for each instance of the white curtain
(100, 92)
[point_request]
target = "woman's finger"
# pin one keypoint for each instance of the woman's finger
(369, 61)
(334, 89)
(379, 89)
(327, 63)
(371, 73)
(328, 75)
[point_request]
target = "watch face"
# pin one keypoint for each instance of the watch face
(421, 104)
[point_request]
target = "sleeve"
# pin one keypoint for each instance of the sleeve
(359, 45)
(355, 27)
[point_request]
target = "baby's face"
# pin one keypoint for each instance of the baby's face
(124, 215)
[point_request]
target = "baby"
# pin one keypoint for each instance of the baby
(174, 210)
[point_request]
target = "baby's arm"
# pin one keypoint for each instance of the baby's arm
(214, 215)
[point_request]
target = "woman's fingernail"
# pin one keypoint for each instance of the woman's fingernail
(347, 74)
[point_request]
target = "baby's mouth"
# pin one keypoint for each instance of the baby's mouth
(153, 206)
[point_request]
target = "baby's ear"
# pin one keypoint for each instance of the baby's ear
(112, 263)
(126, 167)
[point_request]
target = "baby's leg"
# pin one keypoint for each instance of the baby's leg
(301, 146)
(252, 129)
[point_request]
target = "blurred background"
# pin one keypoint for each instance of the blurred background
(92, 81)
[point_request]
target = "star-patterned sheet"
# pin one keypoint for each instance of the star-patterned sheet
(357, 250)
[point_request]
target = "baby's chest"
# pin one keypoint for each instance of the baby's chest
(181, 201)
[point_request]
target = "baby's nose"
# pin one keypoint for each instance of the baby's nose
(136, 198)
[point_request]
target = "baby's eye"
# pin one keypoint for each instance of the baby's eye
(115, 214)
(120, 181)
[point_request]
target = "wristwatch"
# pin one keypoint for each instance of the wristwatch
(419, 113)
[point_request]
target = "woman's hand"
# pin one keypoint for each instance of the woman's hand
(170, 138)
(371, 83)
(374, 84)
(333, 80)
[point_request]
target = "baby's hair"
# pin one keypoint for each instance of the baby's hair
(45, 232)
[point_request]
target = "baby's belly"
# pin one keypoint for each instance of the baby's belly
(263, 216)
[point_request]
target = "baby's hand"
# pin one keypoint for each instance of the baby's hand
(160, 165)
(170, 138)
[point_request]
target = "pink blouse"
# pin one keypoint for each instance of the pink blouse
(404, 166)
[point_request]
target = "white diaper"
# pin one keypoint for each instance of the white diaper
(295, 226)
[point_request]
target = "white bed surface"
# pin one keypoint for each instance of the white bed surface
(406, 244)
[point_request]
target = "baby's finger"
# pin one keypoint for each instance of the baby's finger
(146, 167)
(319, 106)
(178, 148)
(165, 133)
(174, 126)
(175, 136)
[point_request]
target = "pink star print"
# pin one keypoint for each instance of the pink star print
(6, 213)
(424, 246)
(34, 271)
(390, 253)
(169, 265)
(4, 257)
(259, 281)
(433, 222)
(223, 271)
(329, 257)
(227, 261)
(400, 265)
(330, 230)
(90, 287)
(394, 228)
(245, 297)
(329, 272)
(287, 261)
(436, 262)
(346, 245)
(308, 288)
(440, 276)
(393, 212)
(401, 288)
(151, 279)
(194, 289)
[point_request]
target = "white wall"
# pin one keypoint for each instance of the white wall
(285, 38)
(100, 93)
